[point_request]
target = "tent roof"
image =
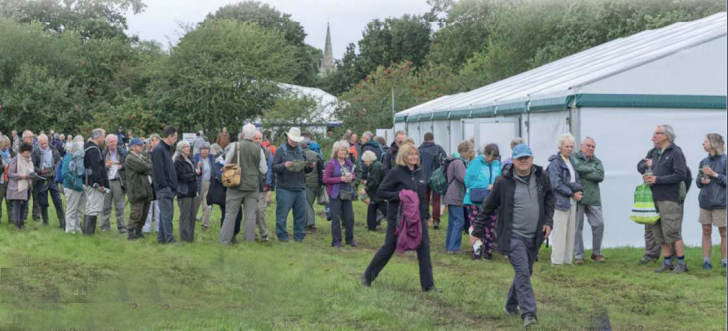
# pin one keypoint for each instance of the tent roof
(556, 83)
(327, 103)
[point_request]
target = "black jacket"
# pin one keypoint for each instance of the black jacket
(670, 170)
(431, 157)
(163, 172)
(94, 163)
(400, 178)
(501, 200)
(390, 158)
(286, 179)
(713, 195)
(37, 157)
(186, 178)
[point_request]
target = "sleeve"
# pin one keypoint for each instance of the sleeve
(688, 179)
(555, 179)
(721, 177)
(329, 175)
(231, 153)
(357, 173)
(642, 164)
(488, 209)
(597, 175)
(65, 172)
(158, 167)
(697, 179)
(262, 165)
(387, 188)
(374, 179)
(269, 172)
(549, 202)
(471, 176)
(459, 171)
(182, 175)
(13, 169)
(678, 170)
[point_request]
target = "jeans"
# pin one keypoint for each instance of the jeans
(455, 222)
(285, 201)
(381, 258)
(522, 255)
(165, 198)
(594, 216)
(342, 211)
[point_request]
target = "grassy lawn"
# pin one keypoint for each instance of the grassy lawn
(56, 281)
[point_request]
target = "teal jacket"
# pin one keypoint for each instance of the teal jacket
(480, 174)
(71, 181)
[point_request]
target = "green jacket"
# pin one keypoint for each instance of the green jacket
(249, 162)
(373, 181)
(591, 173)
(138, 188)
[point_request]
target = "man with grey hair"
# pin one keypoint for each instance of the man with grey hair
(264, 188)
(16, 141)
(114, 157)
(97, 181)
(591, 173)
(369, 144)
(154, 140)
(45, 160)
(251, 160)
(664, 170)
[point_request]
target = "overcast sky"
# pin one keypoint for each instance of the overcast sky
(348, 18)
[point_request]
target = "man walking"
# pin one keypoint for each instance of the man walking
(290, 166)
(663, 170)
(97, 182)
(591, 172)
(431, 157)
(524, 202)
(251, 160)
(164, 181)
(45, 161)
(114, 157)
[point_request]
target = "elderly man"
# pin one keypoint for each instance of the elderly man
(45, 161)
(524, 202)
(164, 182)
(223, 139)
(251, 160)
(140, 190)
(591, 172)
(97, 181)
(204, 161)
(391, 156)
(290, 165)
(114, 157)
(264, 188)
(369, 144)
(664, 170)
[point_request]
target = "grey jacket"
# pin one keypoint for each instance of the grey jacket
(456, 178)
(713, 195)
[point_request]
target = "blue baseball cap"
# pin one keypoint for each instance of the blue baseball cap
(136, 141)
(522, 150)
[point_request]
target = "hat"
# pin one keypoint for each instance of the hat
(136, 141)
(294, 134)
(522, 150)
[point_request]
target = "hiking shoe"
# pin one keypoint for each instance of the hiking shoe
(122, 231)
(646, 260)
(680, 268)
(336, 245)
(365, 281)
(433, 289)
(664, 268)
(528, 320)
(579, 261)
(597, 258)
(436, 224)
(352, 244)
(707, 265)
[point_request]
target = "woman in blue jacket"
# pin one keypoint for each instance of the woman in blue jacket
(479, 179)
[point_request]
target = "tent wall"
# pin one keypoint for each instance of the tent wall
(699, 70)
(623, 137)
(544, 132)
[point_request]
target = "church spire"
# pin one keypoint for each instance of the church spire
(328, 61)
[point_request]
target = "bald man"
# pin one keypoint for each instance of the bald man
(45, 161)
(114, 156)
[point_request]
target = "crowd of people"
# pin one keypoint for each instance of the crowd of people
(510, 207)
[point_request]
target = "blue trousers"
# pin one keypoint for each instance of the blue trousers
(285, 201)
(455, 223)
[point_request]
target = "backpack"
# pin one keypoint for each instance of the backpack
(438, 182)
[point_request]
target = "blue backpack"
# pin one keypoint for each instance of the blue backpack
(59, 173)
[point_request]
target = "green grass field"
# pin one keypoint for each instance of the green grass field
(56, 281)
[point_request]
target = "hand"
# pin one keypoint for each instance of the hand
(267, 197)
(490, 187)
(346, 179)
(102, 189)
(311, 164)
(546, 231)
(709, 172)
(266, 188)
(650, 180)
(45, 171)
(705, 180)
(473, 239)
(577, 196)
(109, 164)
(288, 164)
(25, 177)
(648, 162)
(198, 171)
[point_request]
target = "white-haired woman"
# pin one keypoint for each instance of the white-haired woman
(374, 179)
(339, 178)
(186, 190)
(712, 198)
(73, 174)
(566, 185)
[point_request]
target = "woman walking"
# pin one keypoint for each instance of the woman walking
(338, 178)
(479, 179)
(566, 185)
(407, 175)
(186, 190)
(454, 197)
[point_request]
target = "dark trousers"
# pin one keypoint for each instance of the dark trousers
(342, 211)
(435, 199)
(165, 199)
(390, 245)
(522, 255)
(186, 218)
(372, 213)
(138, 212)
(44, 188)
(20, 212)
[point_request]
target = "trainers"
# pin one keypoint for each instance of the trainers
(664, 268)
(680, 268)
(707, 265)
(436, 225)
(597, 258)
(528, 320)
(579, 261)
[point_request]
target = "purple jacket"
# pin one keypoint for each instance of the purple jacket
(332, 176)
(409, 230)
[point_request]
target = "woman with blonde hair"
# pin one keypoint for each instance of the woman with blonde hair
(405, 178)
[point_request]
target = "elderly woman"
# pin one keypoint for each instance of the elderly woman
(565, 181)
(712, 197)
(339, 178)
(479, 179)
(6, 154)
(405, 175)
(186, 190)
(73, 175)
(19, 185)
(204, 161)
(374, 179)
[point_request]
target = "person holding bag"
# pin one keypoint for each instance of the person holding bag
(479, 179)
(339, 177)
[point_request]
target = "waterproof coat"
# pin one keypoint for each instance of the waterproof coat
(402, 178)
(456, 178)
(560, 177)
(479, 175)
(374, 179)
(670, 170)
(713, 195)
(409, 230)
(431, 157)
(186, 178)
(138, 170)
(591, 173)
(72, 180)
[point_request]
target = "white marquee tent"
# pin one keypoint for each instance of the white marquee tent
(617, 93)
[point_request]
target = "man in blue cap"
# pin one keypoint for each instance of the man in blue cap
(526, 201)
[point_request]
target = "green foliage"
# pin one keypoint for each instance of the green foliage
(291, 110)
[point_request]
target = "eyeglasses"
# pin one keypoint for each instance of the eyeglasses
(656, 133)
